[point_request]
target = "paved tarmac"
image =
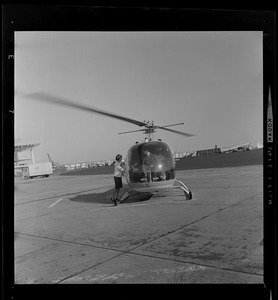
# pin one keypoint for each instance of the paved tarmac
(68, 231)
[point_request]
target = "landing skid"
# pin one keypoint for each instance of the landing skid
(186, 190)
(125, 196)
(180, 185)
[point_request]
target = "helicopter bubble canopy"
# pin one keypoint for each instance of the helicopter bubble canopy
(148, 163)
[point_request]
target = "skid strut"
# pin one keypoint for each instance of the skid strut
(186, 190)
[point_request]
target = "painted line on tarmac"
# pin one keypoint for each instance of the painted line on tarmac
(84, 188)
(55, 196)
(56, 202)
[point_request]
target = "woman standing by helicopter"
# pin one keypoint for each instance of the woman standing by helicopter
(118, 173)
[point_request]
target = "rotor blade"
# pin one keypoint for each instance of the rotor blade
(132, 131)
(172, 125)
(58, 100)
(175, 131)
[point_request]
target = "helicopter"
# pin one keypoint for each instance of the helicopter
(149, 165)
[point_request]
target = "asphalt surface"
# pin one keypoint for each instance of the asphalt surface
(68, 231)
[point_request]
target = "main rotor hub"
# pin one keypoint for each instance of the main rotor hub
(149, 129)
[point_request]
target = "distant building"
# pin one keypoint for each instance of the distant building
(21, 164)
(21, 148)
(215, 150)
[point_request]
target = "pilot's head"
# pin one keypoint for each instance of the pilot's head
(118, 157)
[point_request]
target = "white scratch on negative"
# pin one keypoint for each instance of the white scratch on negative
(55, 203)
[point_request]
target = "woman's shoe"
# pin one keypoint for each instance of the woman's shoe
(114, 201)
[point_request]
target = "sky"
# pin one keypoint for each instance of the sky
(210, 81)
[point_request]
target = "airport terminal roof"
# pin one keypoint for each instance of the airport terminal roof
(24, 147)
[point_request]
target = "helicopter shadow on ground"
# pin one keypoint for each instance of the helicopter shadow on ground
(105, 197)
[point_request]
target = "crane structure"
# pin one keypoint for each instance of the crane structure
(50, 160)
